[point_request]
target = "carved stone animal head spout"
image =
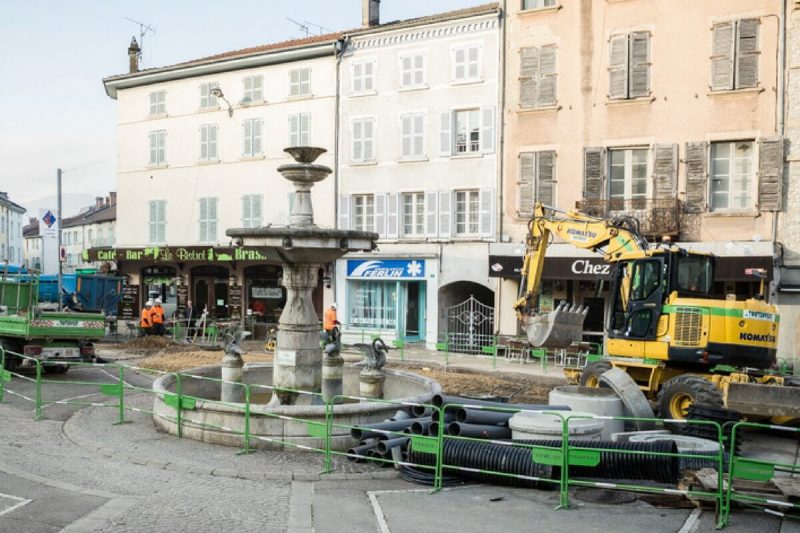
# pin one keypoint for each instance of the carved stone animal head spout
(374, 354)
(233, 341)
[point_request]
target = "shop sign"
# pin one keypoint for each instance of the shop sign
(171, 254)
(559, 268)
(386, 268)
(268, 293)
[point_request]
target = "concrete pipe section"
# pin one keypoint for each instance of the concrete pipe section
(546, 426)
(598, 401)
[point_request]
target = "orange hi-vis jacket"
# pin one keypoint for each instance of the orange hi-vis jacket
(144, 321)
(329, 319)
(157, 315)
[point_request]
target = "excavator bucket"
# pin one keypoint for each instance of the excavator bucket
(559, 328)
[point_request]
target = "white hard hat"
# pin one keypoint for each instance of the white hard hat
(148, 303)
(333, 305)
(158, 301)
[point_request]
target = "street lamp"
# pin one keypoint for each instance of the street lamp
(217, 93)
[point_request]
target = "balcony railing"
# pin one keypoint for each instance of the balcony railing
(656, 216)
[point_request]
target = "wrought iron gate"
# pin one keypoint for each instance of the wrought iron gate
(469, 326)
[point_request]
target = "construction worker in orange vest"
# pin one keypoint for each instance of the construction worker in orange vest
(157, 318)
(329, 322)
(145, 324)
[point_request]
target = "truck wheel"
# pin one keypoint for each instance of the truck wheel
(681, 392)
(11, 361)
(55, 369)
(590, 376)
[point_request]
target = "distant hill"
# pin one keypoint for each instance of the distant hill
(71, 203)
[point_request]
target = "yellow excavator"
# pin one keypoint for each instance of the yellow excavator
(666, 328)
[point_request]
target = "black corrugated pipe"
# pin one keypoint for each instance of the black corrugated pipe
(440, 400)
(478, 431)
(476, 416)
(385, 446)
(366, 431)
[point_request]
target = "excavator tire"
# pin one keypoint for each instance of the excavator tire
(681, 392)
(590, 376)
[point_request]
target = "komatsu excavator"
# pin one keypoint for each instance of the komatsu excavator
(666, 328)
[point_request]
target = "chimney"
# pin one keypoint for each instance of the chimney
(32, 220)
(133, 55)
(112, 198)
(98, 202)
(370, 13)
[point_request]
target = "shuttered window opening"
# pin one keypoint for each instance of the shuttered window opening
(363, 140)
(732, 175)
(207, 98)
(537, 4)
(629, 66)
(253, 89)
(413, 214)
(594, 173)
(412, 136)
(300, 82)
(363, 207)
(157, 221)
(467, 209)
(538, 77)
(299, 127)
(251, 210)
(363, 73)
(536, 181)
(412, 71)
(467, 131)
(627, 177)
(158, 147)
(207, 220)
(251, 137)
(466, 63)
(734, 55)
(209, 150)
(158, 104)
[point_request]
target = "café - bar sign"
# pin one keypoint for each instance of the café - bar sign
(173, 254)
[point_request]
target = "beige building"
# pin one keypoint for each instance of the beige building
(665, 110)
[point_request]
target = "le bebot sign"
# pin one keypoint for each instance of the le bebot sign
(502, 266)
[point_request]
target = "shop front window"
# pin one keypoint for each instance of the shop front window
(372, 304)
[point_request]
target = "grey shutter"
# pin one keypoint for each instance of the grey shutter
(486, 215)
(203, 222)
(639, 65)
(212, 220)
(525, 184)
(747, 53)
(344, 211)
(696, 176)
(247, 213)
(618, 67)
(153, 222)
(445, 135)
(529, 74)
(770, 173)
(431, 214)
(391, 216)
(445, 218)
(487, 130)
(545, 174)
(722, 56)
(380, 214)
(594, 173)
(665, 170)
(162, 221)
(547, 73)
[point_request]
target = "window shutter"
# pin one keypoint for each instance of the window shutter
(529, 73)
(257, 200)
(639, 64)
(525, 184)
(696, 176)
(445, 134)
(445, 219)
(212, 142)
(770, 173)
(305, 129)
(369, 140)
(392, 209)
(594, 173)
(487, 212)
(487, 129)
(153, 224)
(247, 127)
(722, 56)
(256, 137)
(419, 136)
(203, 217)
(747, 53)
(369, 79)
(405, 71)
(665, 170)
(153, 148)
(430, 214)
(405, 135)
(545, 178)
(419, 69)
(547, 73)
(357, 75)
(344, 211)
(618, 67)
(356, 153)
(380, 214)
(212, 219)
(247, 212)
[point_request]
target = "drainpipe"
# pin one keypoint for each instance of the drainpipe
(501, 111)
(339, 48)
(781, 123)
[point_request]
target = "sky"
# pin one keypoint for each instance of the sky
(54, 55)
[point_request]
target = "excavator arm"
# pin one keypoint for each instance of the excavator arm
(610, 237)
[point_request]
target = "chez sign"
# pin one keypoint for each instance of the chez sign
(589, 268)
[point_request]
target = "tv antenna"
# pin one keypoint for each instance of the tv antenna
(144, 29)
(305, 27)
(320, 28)
(300, 25)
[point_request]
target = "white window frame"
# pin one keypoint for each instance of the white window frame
(157, 226)
(467, 63)
(362, 216)
(300, 87)
(415, 138)
(360, 141)
(254, 137)
(300, 129)
(628, 173)
(418, 214)
(252, 89)
(158, 103)
(208, 100)
(413, 70)
(249, 204)
(469, 143)
(207, 227)
(472, 198)
(158, 148)
(207, 144)
(749, 190)
(363, 82)
(543, 4)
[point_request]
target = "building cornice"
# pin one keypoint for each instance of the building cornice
(436, 30)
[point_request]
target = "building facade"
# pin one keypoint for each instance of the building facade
(93, 227)
(11, 222)
(666, 111)
(32, 245)
(419, 163)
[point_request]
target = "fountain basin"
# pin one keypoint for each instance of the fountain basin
(305, 244)
(201, 423)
